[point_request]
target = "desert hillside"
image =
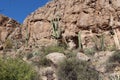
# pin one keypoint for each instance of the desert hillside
(64, 40)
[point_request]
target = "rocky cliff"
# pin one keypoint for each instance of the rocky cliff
(10, 30)
(7, 27)
(90, 16)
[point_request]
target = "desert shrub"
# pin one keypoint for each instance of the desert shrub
(89, 51)
(111, 47)
(71, 69)
(15, 69)
(8, 44)
(50, 49)
(42, 60)
(70, 53)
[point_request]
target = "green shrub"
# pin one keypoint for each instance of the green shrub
(70, 53)
(50, 49)
(89, 51)
(71, 69)
(45, 51)
(42, 60)
(15, 69)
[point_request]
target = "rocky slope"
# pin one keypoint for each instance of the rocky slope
(10, 30)
(92, 25)
(7, 27)
(93, 17)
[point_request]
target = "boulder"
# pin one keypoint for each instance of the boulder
(56, 57)
(82, 56)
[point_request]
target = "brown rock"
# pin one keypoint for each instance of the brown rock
(7, 27)
(82, 56)
(56, 57)
(75, 15)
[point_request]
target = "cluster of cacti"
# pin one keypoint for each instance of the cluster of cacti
(56, 29)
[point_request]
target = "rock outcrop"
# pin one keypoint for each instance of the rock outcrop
(9, 28)
(90, 16)
(56, 57)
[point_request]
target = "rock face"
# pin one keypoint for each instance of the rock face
(9, 28)
(95, 16)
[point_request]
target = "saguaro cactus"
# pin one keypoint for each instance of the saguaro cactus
(80, 41)
(102, 46)
(56, 29)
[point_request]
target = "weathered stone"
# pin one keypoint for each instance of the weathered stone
(82, 56)
(8, 28)
(56, 57)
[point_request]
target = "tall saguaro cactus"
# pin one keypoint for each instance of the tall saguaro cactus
(56, 29)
